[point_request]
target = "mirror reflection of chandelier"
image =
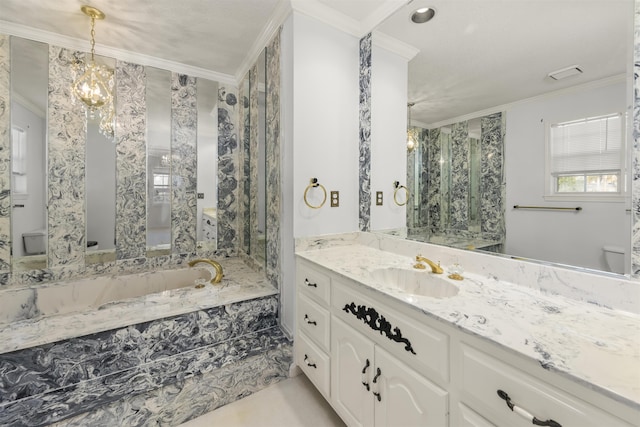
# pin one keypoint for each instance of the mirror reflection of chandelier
(412, 134)
(93, 83)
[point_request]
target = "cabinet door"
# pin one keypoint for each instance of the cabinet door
(351, 354)
(405, 398)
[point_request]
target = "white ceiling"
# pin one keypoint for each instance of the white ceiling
(479, 54)
(474, 55)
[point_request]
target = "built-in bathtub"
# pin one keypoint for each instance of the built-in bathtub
(139, 349)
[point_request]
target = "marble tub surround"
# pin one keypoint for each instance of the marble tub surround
(47, 313)
(530, 312)
(111, 373)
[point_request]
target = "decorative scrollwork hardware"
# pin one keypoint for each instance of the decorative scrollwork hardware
(376, 393)
(308, 283)
(306, 360)
(309, 321)
(364, 373)
(377, 322)
(525, 414)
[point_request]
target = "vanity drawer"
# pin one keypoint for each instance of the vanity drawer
(424, 349)
(314, 284)
(314, 363)
(314, 321)
(483, 375)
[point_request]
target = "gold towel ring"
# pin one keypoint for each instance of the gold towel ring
(397, 185)
(312, 184)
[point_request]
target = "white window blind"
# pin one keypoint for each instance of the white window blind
(587, 145)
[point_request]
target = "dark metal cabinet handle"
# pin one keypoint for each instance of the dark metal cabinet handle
(525, 414)
(309, 322)
(308, 283)
(375, 381)
(306, 360)
(365, 383)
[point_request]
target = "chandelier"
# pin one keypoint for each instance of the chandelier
(93, 83)
(412, 134)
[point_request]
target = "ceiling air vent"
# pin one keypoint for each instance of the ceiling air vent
(565, 72)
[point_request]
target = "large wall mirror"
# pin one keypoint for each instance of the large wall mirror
(494, 58)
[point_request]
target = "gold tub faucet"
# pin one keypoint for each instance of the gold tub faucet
(435, 268)
(214, 264)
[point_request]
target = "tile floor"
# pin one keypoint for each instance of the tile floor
(294, 402)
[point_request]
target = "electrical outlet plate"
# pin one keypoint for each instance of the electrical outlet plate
(378, 198)
(335, 199)
(200, 195)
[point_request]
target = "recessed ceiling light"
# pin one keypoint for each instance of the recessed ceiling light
(422, 15)
(565, 72)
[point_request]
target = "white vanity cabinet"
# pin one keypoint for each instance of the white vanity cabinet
(370, 387)
(313, 326)
(508, 394)
(379, 362)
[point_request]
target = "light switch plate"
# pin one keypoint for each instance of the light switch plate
(378, 198)
(335, 199)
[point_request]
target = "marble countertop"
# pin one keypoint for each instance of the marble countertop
(240, 283)
(593, 345)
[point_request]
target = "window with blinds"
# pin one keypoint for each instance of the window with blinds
(586, 156)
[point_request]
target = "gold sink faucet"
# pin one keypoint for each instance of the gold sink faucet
(215, 264)
(435, 268)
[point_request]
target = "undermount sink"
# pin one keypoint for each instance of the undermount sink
(417, 282)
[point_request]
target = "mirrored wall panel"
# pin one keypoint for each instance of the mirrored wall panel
(158, 98)
(29, 88)
(100, 188)
(261, 175)
(207, 150)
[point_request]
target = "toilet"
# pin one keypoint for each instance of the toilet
(35, 242)
(614, 258)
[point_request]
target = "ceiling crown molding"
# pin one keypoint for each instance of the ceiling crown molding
(60, 40)
(392, 44)
(328, 15)
(277, 18)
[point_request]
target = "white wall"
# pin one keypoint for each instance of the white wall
(33, 215)
(389, 73)
(564, 237)
(325, 125)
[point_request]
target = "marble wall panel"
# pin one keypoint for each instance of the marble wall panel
(635, 236)
(459, 208)
(228, 171)
(5, 155)
(244, 231)
(411, 185)
(365, 134)
(273, 156)
(66, 164)
(432, 175)
(492, 185)
(131, 161)
(184, 171)
(254, 180)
